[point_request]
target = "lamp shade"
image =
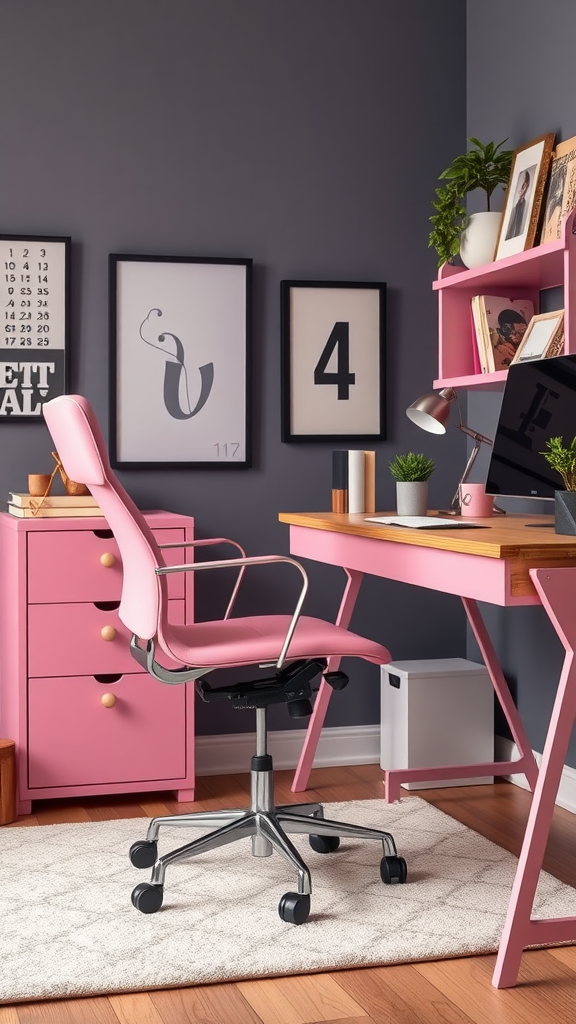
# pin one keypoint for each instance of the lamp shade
(431, 412)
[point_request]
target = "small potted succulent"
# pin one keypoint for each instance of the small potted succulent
(562, 458)
(411, 473)
(485, 167)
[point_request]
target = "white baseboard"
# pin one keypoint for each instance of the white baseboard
(228, 754)
(506, 750)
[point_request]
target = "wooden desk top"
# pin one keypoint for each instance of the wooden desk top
(506, 537)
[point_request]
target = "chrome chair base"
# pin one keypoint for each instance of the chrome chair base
(269, 828)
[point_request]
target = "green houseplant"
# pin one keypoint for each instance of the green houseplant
(484, 167)
(411, 473)
(562, 458)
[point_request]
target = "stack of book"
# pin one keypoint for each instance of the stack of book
(353, 481)
(54, 507)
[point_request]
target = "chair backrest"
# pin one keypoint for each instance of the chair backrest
(80, 445)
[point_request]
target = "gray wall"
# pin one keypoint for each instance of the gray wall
(295, 132)
(525, 89)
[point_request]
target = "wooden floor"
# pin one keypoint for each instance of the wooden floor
(442, 992)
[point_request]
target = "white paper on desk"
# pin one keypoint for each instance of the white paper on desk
(422, 522)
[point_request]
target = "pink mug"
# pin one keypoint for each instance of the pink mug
(475, 502)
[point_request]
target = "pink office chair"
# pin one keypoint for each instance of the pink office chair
(295, 647)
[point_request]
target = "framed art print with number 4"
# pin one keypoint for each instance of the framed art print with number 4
(180, 361)
(34, 296)
(333, 345)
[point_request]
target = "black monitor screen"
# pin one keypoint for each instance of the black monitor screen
(539, 402)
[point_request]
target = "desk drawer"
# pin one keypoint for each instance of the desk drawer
(66, 566)
(66, 640)
(74, 740)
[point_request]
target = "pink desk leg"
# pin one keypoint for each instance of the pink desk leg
(557, 589)
(526, 762)
(393, 779)
(325, 692)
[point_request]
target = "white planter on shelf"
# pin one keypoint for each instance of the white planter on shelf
(478, 240)
(411, 497)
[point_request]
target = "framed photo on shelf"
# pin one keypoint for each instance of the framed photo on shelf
(544, 338)
(524, 196)
(561, 190)
(35, 299)
(180, 335)
(333, 360)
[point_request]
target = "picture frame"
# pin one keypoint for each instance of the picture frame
(35, 298)
(333, 360)
(524, 196)
(180, 355)
(544, 338)
(560, 197)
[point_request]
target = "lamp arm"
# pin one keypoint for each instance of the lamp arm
(455, 506)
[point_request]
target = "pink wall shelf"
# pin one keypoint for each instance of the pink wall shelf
(522, 276)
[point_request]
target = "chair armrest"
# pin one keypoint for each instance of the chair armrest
(206, 543)
(245, 562)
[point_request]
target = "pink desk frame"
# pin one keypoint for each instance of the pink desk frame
(472, 578)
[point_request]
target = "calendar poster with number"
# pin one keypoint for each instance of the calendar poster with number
(34, 297)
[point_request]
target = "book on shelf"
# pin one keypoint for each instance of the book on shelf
(53, 500)
(62, 512)
(353, 480)
(500, 324)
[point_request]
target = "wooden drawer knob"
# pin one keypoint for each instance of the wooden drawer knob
(108, 700)
(107, 632)
(108, 559)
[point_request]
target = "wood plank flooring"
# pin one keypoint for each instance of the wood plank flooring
(440, 992)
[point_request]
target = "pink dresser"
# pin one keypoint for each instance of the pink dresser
(85, 718)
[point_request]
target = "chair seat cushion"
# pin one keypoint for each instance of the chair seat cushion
(259, 638)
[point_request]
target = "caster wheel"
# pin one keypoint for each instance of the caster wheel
(324, 844)
(148, 898)
(393, 870)
(294, 908)
(143, 854)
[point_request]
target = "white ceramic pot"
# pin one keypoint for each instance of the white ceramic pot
(478, 240)
(412, 497)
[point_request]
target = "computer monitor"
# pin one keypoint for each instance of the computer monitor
(539, 402)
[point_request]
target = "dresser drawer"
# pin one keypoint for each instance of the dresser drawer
(66, 565)
(66, 639)
(74, 740)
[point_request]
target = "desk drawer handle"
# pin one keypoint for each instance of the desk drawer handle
(108, 559)
(108, 633)
(108, 700)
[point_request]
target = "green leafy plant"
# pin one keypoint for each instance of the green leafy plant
(562, 459)
(483, 167)
(411, 467)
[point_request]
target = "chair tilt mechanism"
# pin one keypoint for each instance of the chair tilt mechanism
(267, 824)
(297, 648)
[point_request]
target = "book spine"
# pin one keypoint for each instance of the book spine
(480, 347)
(339, 481)
(370, 482)
(356, 481)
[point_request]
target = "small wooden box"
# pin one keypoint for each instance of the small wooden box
(7, 781)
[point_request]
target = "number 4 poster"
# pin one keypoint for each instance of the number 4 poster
(333, 361)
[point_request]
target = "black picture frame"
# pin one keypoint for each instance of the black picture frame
(35, 299)
(333, 340)
(193, 409)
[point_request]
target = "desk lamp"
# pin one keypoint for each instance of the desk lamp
(431, 412)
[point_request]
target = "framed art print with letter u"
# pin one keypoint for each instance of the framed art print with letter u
(333, 373)
(180, 361)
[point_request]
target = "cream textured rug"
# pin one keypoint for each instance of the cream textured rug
(68, 928)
